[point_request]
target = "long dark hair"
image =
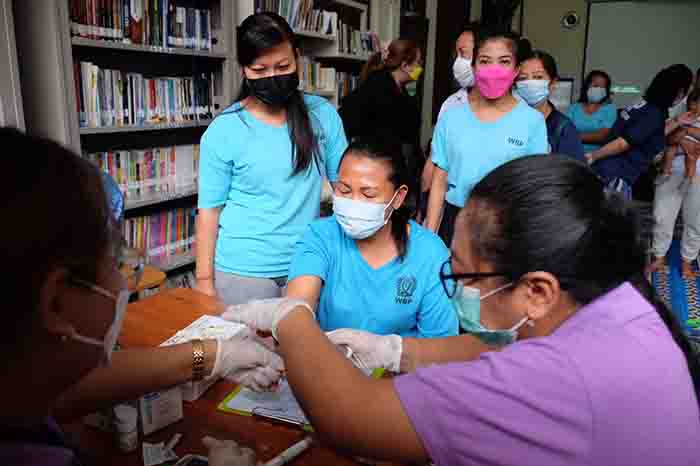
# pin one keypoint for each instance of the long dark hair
(551, 214)
(667, 84)
(257, 34)
(388, 151)
(588, 82)
(400, 51)
(60, 218)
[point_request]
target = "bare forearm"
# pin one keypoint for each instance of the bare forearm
(596, 137)
(616, 147)
(207, 233)
(423, 352)
(367, 420)
(436, 201)
(132, 374)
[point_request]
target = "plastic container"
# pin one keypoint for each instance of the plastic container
(126, 427)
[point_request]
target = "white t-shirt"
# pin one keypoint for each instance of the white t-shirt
(679, 161)
(461, 97)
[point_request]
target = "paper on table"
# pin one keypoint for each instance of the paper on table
(280, 404)
(206, 327)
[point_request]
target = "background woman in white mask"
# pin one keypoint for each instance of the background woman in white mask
(538, 76)
(369, 267)
(65, 302)
(462, 69)
(594, 114)
(587, 380)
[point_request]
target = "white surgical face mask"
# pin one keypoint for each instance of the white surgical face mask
(596, 94)
(533, 91)
(110, 339)
(360, 219)
(463, 72)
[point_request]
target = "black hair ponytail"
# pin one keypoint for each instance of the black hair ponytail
(258, 33)
(550, 213)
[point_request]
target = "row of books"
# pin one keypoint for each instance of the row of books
(143, 173)
(346, 83)
(314, 77)
(115, 98)
(301, 15)
(183, 280)
(160, 23)
(163, 234)
(356, 42)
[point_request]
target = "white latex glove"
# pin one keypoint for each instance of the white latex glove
(228, 453)
(264, 314)
(375, 351)
(247, 361)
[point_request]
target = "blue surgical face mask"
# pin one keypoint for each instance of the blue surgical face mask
(596, 94)
(467, 304)
(533, 91)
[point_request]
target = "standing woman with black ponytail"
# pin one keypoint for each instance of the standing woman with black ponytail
(261, 169)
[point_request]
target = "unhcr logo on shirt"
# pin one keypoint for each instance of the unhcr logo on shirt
(405, 287)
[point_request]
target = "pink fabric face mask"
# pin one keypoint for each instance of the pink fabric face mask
(494, 81)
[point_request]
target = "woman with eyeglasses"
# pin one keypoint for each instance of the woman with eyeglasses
(573, 361)
(65, 301)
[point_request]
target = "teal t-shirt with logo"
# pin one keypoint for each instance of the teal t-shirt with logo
(468, 149)
(403, 297)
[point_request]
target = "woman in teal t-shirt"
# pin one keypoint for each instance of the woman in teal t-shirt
(594, 114)
(368, 267)
(472, 140)
(261, 169)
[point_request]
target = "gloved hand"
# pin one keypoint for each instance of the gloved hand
(374, 351)
(228, 453)
(264, 314)
(245, 360)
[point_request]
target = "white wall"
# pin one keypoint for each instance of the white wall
(632, 41)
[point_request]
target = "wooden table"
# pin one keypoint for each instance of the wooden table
(153, 320)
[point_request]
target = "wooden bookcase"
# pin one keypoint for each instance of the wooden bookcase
(47, 51)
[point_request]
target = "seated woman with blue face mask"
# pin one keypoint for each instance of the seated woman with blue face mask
(368, 267)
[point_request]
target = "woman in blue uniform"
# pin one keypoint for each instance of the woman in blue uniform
(262, 165)
(640, 132)
(538, 76)
(368, 267)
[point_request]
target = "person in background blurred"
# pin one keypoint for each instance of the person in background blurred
(472, 140)
(382, 106)
(594, 114)
(462, 68)
(639, 134)
(537, 78)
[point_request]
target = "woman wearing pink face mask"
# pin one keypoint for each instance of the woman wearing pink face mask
(472, 140)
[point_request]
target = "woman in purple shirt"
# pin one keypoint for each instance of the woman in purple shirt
(586, 367)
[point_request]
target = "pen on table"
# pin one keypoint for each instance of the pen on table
(290, 453)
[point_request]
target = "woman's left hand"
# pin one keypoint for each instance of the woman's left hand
(590, 159)
(264, 314)
(247, 361)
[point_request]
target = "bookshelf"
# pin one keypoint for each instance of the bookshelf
(11, 110)
(325, 48)
(52, 38)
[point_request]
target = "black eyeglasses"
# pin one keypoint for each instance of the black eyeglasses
(450, 280)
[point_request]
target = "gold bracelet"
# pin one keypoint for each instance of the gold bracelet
(197, 360)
